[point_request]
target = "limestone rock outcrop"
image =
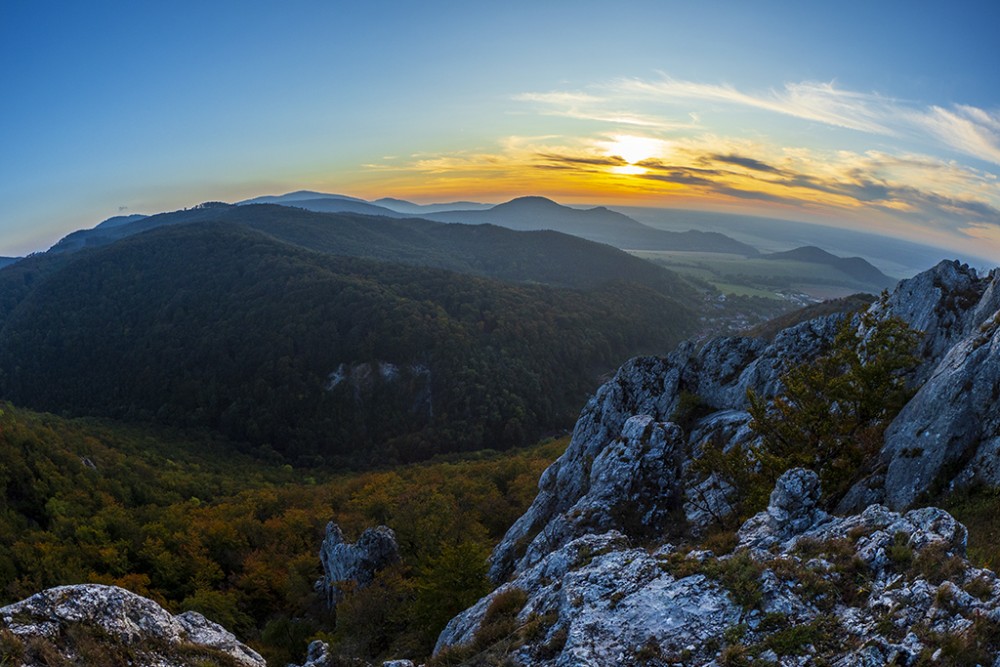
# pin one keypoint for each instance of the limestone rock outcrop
(355, 563)
(800, 588)
(70, 620)
(949, 427)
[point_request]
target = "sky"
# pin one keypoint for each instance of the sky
(879, 116)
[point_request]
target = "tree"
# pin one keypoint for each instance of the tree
(833, 411)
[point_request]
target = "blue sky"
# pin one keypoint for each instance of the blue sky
(875, 115)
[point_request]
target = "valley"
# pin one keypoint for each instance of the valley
(230, 379)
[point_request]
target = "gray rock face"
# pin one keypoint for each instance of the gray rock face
(793, 507)
(123, 618)
(864, 587)
(720, 374)
(356, 563)
(947, 303)
(633, 484)
(949, 424)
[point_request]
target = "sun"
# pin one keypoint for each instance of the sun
(632, 149)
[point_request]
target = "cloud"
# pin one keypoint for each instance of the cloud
(820, 102)
(604, 109)
(600, 161)
(747, 162)
(558, 97)
(961, 128)
(971, 130)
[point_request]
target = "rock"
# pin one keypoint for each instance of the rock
(598, 601)
(946, 303)
(792, 508)
(794, 503)
(121, 620)
(948, 428)
(720, 374)
(634, 485)
(317, 655)
(356, 563)
(951, 417)
(628, 467)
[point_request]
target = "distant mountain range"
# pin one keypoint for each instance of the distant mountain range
(4, 261)
(855, 267)
(896, 256)
(398, 230)
(546, 257)
(596, 224)
(523, 214)
(526, 214)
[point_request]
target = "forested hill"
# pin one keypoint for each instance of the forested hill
(310, 355)
(525, 256)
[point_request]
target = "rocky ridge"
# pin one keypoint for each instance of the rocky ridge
(880, 585)
(947, 429)
(800, 588)
(96, 624)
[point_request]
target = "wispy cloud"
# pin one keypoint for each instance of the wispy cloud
(961, 128)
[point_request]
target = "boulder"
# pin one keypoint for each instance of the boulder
(119, 621)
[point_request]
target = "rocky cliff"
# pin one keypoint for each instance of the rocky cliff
(874, 587)
(948, 429)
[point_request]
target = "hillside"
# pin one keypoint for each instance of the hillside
(194, 525)
(854, 267)
(596, 224)
(537, 257)
(310, 355)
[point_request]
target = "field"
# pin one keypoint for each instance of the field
(773, 279)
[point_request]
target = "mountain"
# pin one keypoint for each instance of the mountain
(855, 267)
(297, 196)
(596, 224)
(105, 234)
(540, 256)
(221, 326)
(4, 261)
(121, 220)
(338, 205)
(402, 206)
(527, 213)
(898, 256)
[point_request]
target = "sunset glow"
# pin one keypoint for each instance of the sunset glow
(750, 109)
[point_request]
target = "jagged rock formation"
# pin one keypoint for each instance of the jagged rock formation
(948, 428)
(356, 563)
(800, 588)
(95, 624)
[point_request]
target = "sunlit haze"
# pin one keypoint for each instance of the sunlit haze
(881, 117)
